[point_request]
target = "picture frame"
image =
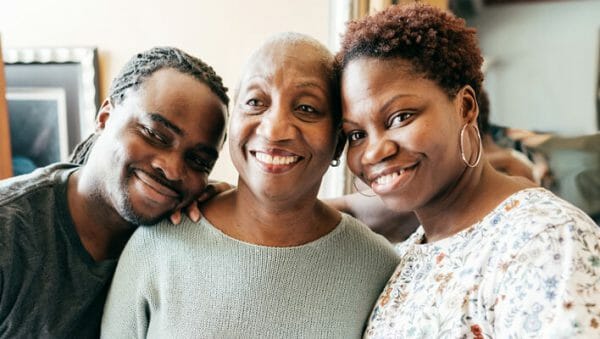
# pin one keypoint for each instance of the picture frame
(5, 156)
(38, 127)
(74, 69)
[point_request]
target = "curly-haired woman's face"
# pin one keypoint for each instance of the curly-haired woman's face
(403, 132)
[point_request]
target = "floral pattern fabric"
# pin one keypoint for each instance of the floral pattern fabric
(529, 269)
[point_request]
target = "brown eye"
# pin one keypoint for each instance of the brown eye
(153, 135)
(198, 163)
(399, 119)
(354, 136)
(254, 102)
(307, 108)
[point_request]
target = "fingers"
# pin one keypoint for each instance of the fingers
(176, 217)
(208, 193)
(193, 212)
(212, 189)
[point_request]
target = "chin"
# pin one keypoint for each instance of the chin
(399, 204)
(136, 216)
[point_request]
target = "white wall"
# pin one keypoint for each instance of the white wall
(543, 64)
(221, 32)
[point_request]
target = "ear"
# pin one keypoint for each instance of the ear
(341, 144)
(467, 104)
(103, 114)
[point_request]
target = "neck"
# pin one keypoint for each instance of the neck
(101, 229)
(266, 222)
(475, 194)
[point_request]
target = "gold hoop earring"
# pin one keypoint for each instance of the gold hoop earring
(462, 147)
(359, 191)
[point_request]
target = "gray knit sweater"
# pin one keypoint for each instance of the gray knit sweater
(193, 281)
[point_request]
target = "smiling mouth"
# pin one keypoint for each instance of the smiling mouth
(391, 180)
(388, 178)
(154, 189)
(276, 159)
(276, 163)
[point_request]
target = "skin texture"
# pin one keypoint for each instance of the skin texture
(282, 110)
(153, 155)
(396, 120)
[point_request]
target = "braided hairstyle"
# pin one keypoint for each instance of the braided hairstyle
(438, 45)
(141, 67)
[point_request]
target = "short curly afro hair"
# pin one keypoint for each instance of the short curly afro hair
(439, 45)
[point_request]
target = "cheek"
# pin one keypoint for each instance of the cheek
(239, 130)
(197, 182)
(353, 156)
(322, 140)
(130, 148)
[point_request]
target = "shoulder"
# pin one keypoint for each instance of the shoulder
(28, 204)
(164, 239)
(42, 178)
(536, 224)
(530, 212)
(363, 239)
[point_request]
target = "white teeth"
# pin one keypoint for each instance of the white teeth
(388, 178)
(275, 160)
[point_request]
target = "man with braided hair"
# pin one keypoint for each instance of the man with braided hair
(62, 227)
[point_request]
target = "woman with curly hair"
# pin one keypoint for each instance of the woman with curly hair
(494, 256)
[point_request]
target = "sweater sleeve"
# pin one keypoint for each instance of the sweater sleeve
(126, 312)
(551, 287)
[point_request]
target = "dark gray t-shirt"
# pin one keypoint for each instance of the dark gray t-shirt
(50, 287)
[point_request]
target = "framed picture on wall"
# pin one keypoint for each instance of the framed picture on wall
(38, 127)
(72, 69)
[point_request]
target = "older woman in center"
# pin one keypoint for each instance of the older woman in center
(268, 259)
(494, 257)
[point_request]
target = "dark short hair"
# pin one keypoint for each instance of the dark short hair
(438, 45)
(142, 66)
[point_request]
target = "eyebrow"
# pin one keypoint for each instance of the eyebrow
(384, 107)
(394, 98)
(311, 84)
(168, 124)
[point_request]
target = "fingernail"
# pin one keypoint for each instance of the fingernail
(195, 215)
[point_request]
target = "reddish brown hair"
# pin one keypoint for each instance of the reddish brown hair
(438, 45)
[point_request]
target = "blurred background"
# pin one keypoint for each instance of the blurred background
(541, 60)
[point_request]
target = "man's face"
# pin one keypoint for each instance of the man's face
(157, 147)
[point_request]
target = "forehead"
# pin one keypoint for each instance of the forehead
(290, 62)
(184, 100)
(370, 77)
(379, 69)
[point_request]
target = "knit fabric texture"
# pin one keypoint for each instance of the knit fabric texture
(193, 281)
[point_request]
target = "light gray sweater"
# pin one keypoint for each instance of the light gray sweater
(193, 281)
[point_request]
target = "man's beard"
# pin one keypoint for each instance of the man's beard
(123, 206)
(126, 211)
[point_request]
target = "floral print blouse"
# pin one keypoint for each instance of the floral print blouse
(529, 269)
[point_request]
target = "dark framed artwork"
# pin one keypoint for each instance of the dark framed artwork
(73, 71)
(5, 156)
(38, 127)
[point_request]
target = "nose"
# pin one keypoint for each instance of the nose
(276, 124)
(170, 165)
(378, 149)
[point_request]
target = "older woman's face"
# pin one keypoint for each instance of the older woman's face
(281, 131)
(403, 132)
